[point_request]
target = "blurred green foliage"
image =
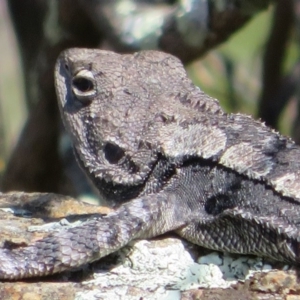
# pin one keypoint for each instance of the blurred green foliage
(232, 73)
(12, 101)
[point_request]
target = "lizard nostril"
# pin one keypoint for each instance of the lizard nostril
(113, 153)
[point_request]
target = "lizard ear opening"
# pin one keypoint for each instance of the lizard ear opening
(113, 153)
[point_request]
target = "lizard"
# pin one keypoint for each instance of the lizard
(168, 158)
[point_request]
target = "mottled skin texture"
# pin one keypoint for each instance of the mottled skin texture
(168, 157)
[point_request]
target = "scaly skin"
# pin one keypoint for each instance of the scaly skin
(168, 157)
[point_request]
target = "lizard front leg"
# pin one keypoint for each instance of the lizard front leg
(67, 249)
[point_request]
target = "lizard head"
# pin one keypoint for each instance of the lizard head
(110, 108)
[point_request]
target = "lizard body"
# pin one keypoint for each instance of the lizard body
(169, 159)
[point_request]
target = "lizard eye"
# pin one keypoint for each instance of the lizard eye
(113, 153)
(84, 85)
